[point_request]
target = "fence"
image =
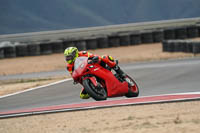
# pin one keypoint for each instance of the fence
(188, 46)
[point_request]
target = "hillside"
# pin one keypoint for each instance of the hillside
(20, 16)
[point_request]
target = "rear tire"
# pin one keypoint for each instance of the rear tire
(133, 90)
(97, 94)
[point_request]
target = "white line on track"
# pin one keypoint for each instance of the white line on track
(35, 88)
(184, 93)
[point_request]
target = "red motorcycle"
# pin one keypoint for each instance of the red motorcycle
(100, 82)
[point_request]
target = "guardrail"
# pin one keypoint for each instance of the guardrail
(188, 46)
(40, 43)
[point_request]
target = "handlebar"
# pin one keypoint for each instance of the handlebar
(94, 60)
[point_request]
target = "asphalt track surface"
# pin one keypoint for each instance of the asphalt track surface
(153, 78)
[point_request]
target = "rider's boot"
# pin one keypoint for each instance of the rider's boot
(119, 71)
(84, 94)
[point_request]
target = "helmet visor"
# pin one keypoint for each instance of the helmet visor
(70, 56)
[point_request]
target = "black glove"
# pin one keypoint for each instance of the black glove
(94, 60)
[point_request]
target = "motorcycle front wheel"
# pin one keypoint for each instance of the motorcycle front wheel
(97, 93)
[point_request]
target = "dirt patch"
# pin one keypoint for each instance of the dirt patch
(181, 117)
(57, 62)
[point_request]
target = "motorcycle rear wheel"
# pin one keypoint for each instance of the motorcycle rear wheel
(97, 93)
(133, 89)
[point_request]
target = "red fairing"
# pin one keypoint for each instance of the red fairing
(80, 68)
(83, 70)
(114, 86)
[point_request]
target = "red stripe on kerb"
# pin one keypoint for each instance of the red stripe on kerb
(108, 103)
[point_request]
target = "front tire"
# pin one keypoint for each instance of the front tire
(97, 93)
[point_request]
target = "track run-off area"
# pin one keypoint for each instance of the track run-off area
(159, 81)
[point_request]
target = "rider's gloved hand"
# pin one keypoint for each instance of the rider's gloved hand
(94, 60)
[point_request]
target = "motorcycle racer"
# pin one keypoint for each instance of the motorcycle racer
(71, 53)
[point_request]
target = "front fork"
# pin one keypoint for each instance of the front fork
(92, 79)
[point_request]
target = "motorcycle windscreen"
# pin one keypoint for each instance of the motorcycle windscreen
(79, 66)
